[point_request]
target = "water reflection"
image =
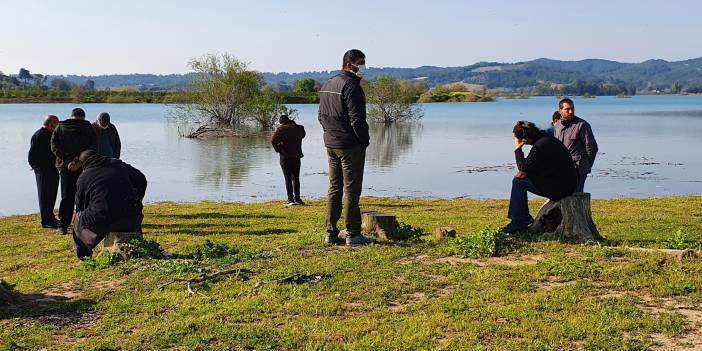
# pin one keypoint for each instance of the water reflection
(228, 161)
(388, 142)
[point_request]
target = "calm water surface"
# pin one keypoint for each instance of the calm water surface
(649, 146)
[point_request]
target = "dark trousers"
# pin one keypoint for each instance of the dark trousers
(86, 239)
(68, 196)
(518, 201)
(291, 172)
(345, 181)
(47, 189)
(581, 183)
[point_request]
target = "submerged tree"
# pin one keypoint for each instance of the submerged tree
(225, 96)
(390, 100)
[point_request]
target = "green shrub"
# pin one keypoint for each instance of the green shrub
(210, 249)
(488, 242)
(410, 233)
(679, 241)
(98, 263)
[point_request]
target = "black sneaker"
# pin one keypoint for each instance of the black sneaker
(55, 225)
(300, 202)
(513, 228)
(61, 231)
(332, 239)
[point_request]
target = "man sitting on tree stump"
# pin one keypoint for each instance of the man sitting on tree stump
(108, 199)
(548, 171)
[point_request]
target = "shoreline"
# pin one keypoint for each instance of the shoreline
(311, 200)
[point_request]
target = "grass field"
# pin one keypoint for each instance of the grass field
(537, 295)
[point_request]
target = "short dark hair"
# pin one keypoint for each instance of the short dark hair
(564, 101)
(556, 116)
(104, 116)
(352, 56)
(525, 130)
(283, 119)
(78, 112)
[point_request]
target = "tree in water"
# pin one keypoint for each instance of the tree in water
(225, 96)
(390, 100)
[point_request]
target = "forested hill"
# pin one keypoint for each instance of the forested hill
(648, 75)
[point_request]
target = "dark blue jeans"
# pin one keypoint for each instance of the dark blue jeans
(518, 201)
(581, 183)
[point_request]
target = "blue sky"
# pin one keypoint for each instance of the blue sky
(127, 36)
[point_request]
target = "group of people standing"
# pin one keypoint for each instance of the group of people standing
(108, 193)
(83, 158)
(557, 165)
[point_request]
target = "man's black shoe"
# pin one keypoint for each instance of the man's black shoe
(332, 239)
(61, 231)
(55, 225)
(512, 228)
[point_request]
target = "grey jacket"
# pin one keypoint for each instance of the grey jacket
(576, 135)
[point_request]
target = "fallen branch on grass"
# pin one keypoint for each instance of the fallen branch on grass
(205, 277)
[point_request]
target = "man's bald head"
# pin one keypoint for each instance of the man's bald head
(50, 122)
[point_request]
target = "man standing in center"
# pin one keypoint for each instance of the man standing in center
(342, 113)
(70, 138)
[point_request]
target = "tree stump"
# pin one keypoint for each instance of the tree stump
(569, 218)
(115, 239)
(442, 233)
(383, 225)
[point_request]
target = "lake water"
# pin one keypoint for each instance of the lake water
(649, 146)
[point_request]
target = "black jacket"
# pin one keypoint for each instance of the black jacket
(549, 167)
(342, 112)
(109, 191)
(287, 140)
(114, 139)
(70, 138)
(40, 156)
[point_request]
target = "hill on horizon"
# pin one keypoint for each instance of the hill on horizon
(651, 74)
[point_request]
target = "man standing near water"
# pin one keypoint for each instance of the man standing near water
(342, 113)
(43, 163)
(576, 134)
(287, 141)
(70, 138)
(108, 143)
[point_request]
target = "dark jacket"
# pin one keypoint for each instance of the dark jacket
(287, 140)
(576, 135)
(40, 156)
(342, 112)
(549, 167)
(114, 139)
(108, 192)
(70, 138)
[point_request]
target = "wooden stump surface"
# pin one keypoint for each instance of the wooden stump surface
(383, 225)
(569, 218)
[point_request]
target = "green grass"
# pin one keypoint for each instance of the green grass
(538, 295)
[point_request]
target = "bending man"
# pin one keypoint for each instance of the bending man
(108, 199)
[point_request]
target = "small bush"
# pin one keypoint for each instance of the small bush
(141, 248)
(410, 233)
(680, 241)
(210, 249)
(488, 242)
(98, 263)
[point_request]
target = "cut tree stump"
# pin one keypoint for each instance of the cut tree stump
(383, 225)
(569, 219)
(442, 233)
(115, 239)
